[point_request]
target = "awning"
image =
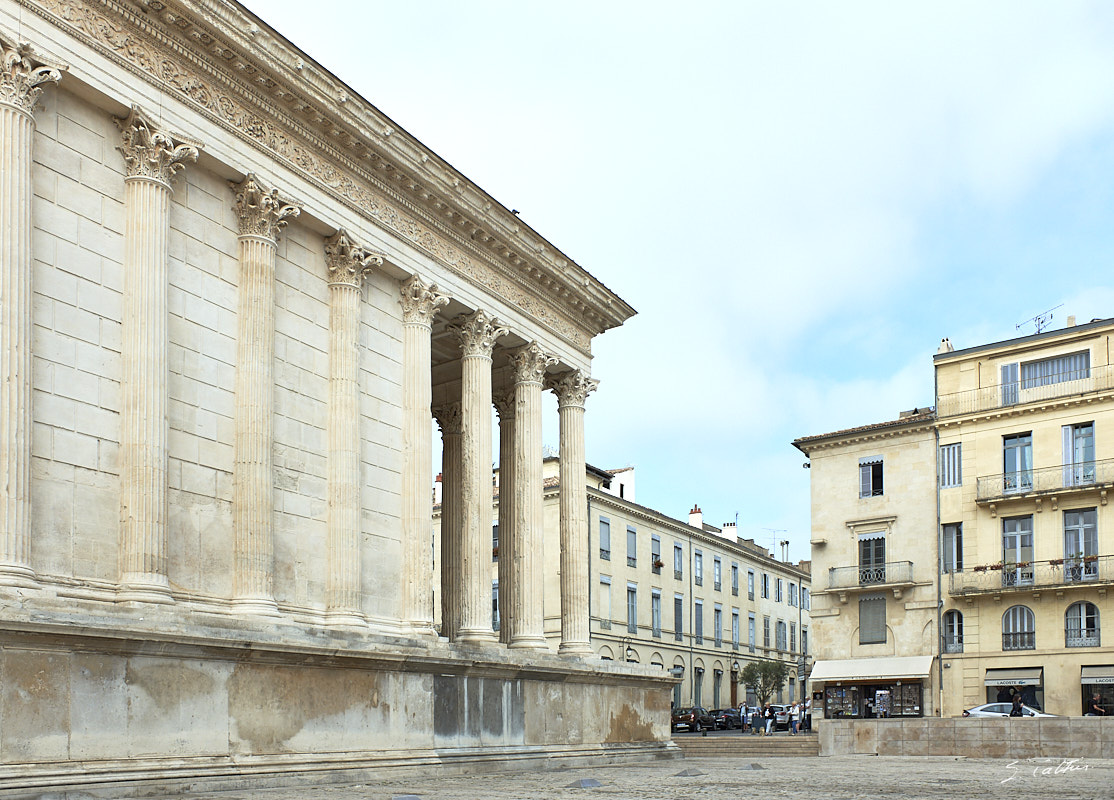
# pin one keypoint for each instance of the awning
(1100, 674)
(1022, 676)
(869, 669)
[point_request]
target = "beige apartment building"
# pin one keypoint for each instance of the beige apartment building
(992, 509)
(693, 599)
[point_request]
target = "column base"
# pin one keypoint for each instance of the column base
(476, 636)
(19, 576)
(345, 619)
(141, 589)
(423, 630)
(529, 643)
(259, 606)
(580, 649)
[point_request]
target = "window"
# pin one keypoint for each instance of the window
(698, 568)
(953, 547)
(655, 554)
(751, 635)
(750, 584)
(734, 629)
(632, 608)
(717, 573)
(766, 632)
(717, 625)
(632, 547)
(1059, 369)
(872, 557)
(605, 539)
(495, 605)
(792, 594)
(655, 612)
(806, 603)
(778, 592)
(735, 579)
(765, 586)
(953, 632)
(1017, 463)
(605, 602)
(1080, 545)
(1079, 454)
(678, 562)
(1009, 384)
(1081, 625)
(1019, 629)
(872, 619)
(804, 640)
(951, 467)
(792, 636)
(870, 476)
(781, 639)
(495, 543)
(698, 622)
(678, 617)
(1017, 551)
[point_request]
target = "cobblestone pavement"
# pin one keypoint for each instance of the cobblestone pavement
(835, 778)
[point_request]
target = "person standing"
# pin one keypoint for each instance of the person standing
(794, 719)
(1017, 710)
(808, 715)
(768, 715)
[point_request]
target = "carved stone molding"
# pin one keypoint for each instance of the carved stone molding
(348, 263)
(572, 388)
(421, 301)
(529, 363)
(450, 418)
(261, 211)
(23, 76)
(150, 153)
(477, 333)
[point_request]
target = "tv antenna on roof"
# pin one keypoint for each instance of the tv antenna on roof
(1040, 320)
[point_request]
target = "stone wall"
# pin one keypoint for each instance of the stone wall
(985, 737)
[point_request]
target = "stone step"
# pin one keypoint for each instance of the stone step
(745, 745)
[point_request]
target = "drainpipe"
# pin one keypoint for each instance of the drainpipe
(939, 560)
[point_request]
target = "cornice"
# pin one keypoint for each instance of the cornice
(221, 60)
(838, 441)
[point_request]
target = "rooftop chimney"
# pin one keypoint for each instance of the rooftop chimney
(696, 517)
(945, 346)
(1071, 320)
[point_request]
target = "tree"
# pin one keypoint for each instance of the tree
(765, 677)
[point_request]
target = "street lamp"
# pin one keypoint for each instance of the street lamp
(628, 651)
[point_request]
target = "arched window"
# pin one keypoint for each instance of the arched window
(1019, 629)
(1081, 625)
(953, 632)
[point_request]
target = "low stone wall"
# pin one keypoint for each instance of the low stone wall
(986, 737)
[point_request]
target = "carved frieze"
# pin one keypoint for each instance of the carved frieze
(477, 333)
(572, 388)
(23, 76)
(348, 263)
(529, 363)
(420, 300)
(151, 153)
(261, 211)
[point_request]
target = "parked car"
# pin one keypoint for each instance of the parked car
(693, 718)
(1002, 710)
(727, 718)
(781, 717)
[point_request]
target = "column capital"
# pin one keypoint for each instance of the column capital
(150, 153)
(477, 333)
(450, 418)
(420, 300)
(348, 262)
(529, 363)
(504, 403)
(262, 212)
(572, 388)
(23, 76)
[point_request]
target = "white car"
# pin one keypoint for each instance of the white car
(1002, 710)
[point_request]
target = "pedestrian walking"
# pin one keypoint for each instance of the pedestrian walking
(1017, 711)
(768, 714)
(794, 719)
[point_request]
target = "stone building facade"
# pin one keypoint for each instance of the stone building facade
(233, 295)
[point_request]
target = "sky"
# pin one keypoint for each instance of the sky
(800, 199)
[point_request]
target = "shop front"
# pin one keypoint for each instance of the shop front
(1097, 689)
(895, 686)
(1003, 684)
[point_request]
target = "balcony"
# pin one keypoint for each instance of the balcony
(893, 575)
(953, 644)
(1024, 640)
(1047, 481)
(1033, 576)
(1007, 395)
(1081, 637)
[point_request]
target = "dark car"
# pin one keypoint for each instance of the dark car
(727, 718)
(693, 718)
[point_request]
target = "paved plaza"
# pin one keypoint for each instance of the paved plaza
(850, 777)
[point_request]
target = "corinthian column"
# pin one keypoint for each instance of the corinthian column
(262, 214)
(504, 406)
(449, 420)
(572, 388)
(525, 614)
(477, 334)
(348, 264)
(151, 159)
(21, 83)
(420, 302)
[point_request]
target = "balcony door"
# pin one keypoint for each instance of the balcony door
(1080, 545)
(872, 557)
(1079, 454)
(1017, 467)
(1017, 551)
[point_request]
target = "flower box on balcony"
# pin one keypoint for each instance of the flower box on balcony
(658, 564)
(1089, 559)
(1055, 562)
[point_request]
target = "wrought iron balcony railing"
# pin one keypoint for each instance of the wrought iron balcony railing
(953, 644)
(1066, 477)
(1026, 640)
(1081, 637)
(1026, 576)
(1004, 395)
(888, 574)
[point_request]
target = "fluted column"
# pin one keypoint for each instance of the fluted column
(449, 420)
(420, 302)
(572, 389)
(21, 83)
(151, 158)
(262, 215)
(504, 406)
(524, 607)
(477, 334)
(348, 264)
